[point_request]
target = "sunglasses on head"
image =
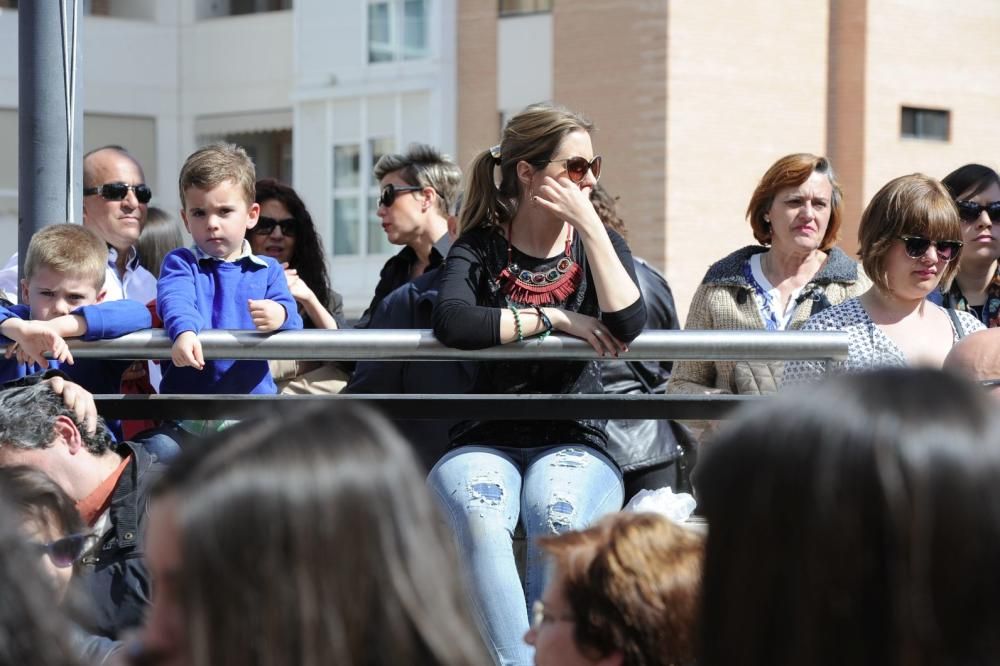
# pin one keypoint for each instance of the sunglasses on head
(66, 551)
(917, 246)
(390, 192)
(265, 225)
(577, 167)
(118, 191)
(970, 210)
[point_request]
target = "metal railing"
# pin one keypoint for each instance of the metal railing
(420, 345)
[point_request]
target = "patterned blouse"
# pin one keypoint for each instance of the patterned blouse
(868, 346)
(988, 312)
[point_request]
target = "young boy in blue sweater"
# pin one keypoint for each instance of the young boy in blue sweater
(63, 297)
(219, 283)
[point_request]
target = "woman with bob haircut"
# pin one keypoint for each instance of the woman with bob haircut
(54, 527)
(910, 243)
(308, 538)
(533, 257)
(867, 534)
(624, 593)
(285, 231)
(32, 628)
(794, 272)
(976, 288)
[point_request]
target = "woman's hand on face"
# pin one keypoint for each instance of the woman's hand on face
(299, 289)
(567, 200)
(587, 328)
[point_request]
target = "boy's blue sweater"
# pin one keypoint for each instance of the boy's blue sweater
(195, 293)
(111, 319)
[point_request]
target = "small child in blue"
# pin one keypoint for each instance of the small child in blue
(219, 283)
(63, 297)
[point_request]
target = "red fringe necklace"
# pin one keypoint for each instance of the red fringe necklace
(553, 285)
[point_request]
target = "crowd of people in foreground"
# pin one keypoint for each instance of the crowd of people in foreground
(319, 536)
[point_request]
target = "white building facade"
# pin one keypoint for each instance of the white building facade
(316, 90)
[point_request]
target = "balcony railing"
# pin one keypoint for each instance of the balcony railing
(420, 345)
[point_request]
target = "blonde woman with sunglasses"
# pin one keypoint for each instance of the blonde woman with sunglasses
(910, 243)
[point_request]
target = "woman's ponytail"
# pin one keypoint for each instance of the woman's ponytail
(480, 205)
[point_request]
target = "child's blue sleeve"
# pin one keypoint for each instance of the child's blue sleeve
(277, 291)
(176, 299)
(114, 319)
(12, 312)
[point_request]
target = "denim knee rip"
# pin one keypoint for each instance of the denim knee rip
(485, 489)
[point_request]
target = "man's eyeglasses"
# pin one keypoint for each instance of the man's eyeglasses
(989, 384)
(540, 617)
(118, 191)
(390, 192)
(66, 551)
(917, 246)
(970, 211)
(266, 225)
(577, 167)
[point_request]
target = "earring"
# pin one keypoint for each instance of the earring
(767, 220)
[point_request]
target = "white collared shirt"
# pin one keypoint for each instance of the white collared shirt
(246, 252)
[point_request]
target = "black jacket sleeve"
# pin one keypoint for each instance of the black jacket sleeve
(458, 319)
(626, 324)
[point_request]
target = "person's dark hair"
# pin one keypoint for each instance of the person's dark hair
(311, 539)
(37, 497)
(970, 180)
(792, 171)
(858, 523)
(28, 417)
(32, 628)
(908, 205)
(532, 136)
(607, 209)
(308, 258)
(633, 582)
(161, 233)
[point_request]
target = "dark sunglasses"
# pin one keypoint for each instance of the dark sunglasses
(118, 191)
(577, 167)
(917, 246)
(970, 211)
(66, 551)
(389, 193)
(265, 225)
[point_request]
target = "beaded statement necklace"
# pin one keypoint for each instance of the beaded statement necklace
(553, 285)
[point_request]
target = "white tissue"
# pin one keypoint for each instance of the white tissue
(676, 507)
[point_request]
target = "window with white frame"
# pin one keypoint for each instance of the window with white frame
(397, 30)
(357, 228)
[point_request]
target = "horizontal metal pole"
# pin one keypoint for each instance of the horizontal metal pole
(421, 345)
(432, 407)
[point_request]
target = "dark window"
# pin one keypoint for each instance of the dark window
(514, 7)
(925, 124)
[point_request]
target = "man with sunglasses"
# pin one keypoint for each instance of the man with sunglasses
(417, 191)
(115, 196)
(110, 485)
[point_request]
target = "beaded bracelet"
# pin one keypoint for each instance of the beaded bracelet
(545, 321)
(517, 321)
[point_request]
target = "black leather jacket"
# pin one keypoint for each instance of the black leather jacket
(114, 573)
(636, 445)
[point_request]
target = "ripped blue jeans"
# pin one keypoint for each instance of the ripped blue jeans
(484, 491)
